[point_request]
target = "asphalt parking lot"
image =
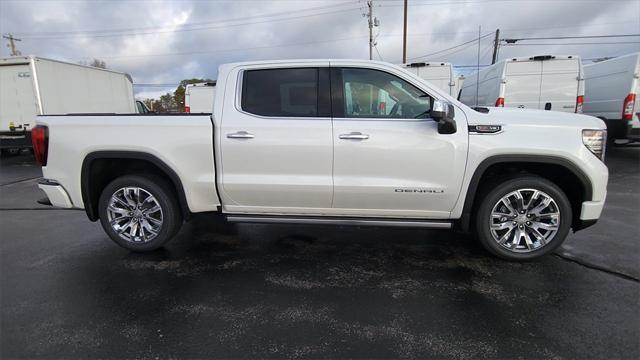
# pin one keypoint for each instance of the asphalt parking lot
(67, 291)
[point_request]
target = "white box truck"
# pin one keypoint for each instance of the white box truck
(612, 93)
(537, 82)
(31, 86)
(198, 98)
(439, 74)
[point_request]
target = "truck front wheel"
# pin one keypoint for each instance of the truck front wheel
(139, 213)
(523, 217)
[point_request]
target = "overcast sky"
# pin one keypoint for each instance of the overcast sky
(162, 42)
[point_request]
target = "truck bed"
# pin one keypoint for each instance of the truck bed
(182, 142)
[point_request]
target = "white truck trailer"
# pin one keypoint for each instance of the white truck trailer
(198, 97)
(612, 93)
(31, 86)
(537, 82)
(439, 74)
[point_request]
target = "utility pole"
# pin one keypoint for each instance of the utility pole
(12, 44)
(404, 35)
(496, 44)
(478, 63)
(370, 20)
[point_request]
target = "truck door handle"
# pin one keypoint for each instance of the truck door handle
(240, 135)
(353, 136)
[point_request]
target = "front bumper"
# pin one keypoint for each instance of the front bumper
(589, 214)
(591, 210)
(57, 195)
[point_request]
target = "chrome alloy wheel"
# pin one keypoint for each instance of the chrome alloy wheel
(134, 214)
(524, 220)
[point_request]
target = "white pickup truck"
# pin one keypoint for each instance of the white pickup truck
(341, 142)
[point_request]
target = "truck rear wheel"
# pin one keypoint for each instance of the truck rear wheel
(139, 213)
(523, 218)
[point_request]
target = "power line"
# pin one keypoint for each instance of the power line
(215, 21)
(111, 34)
(156, 85)
(233, 49)
(586, 43)
(569, 37)
(573, 27)
(378, 51)
(453, 47)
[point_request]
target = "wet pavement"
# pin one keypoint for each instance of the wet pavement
(66, 291)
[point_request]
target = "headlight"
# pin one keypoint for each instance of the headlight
(595, 141)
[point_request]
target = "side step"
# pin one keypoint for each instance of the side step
(324, 220)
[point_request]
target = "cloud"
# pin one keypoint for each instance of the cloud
(162, 42)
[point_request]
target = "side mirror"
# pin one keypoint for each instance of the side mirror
(444, 113)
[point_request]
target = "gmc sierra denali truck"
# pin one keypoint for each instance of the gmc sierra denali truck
(340, 142)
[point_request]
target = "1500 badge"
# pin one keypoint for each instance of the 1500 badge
(426, 191)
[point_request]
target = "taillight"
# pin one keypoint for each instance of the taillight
(627, 108)
(187, 109)
(500, 102)
(40, 142)
(579, 103)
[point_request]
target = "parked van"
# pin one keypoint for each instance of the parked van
(31, 86)
(439, 74)
(612, 93)
(538, 82)
(198, 98)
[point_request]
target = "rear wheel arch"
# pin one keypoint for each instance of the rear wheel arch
(560, 171)
(99, 168)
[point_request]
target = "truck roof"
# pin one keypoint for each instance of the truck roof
(424, 64)
(541, 57)
(617, 59)
(25, 60)
(209, 83)
(304, 61)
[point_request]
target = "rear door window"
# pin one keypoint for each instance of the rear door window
(289, 92)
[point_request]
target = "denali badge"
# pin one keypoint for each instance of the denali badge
(428, 191)
(485, 129)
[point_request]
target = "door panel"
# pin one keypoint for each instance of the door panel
(283, 158)
(393, 166)
(404, 167)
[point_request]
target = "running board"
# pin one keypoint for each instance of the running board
(270, 219)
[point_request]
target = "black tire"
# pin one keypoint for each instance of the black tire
(166, 199)
(501, 188)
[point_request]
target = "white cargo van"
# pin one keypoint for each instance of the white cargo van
(439, 74)
(612, 93)
(198, 98)
(538, 82)
(31, 86)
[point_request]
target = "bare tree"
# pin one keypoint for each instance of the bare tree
(96, 63)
